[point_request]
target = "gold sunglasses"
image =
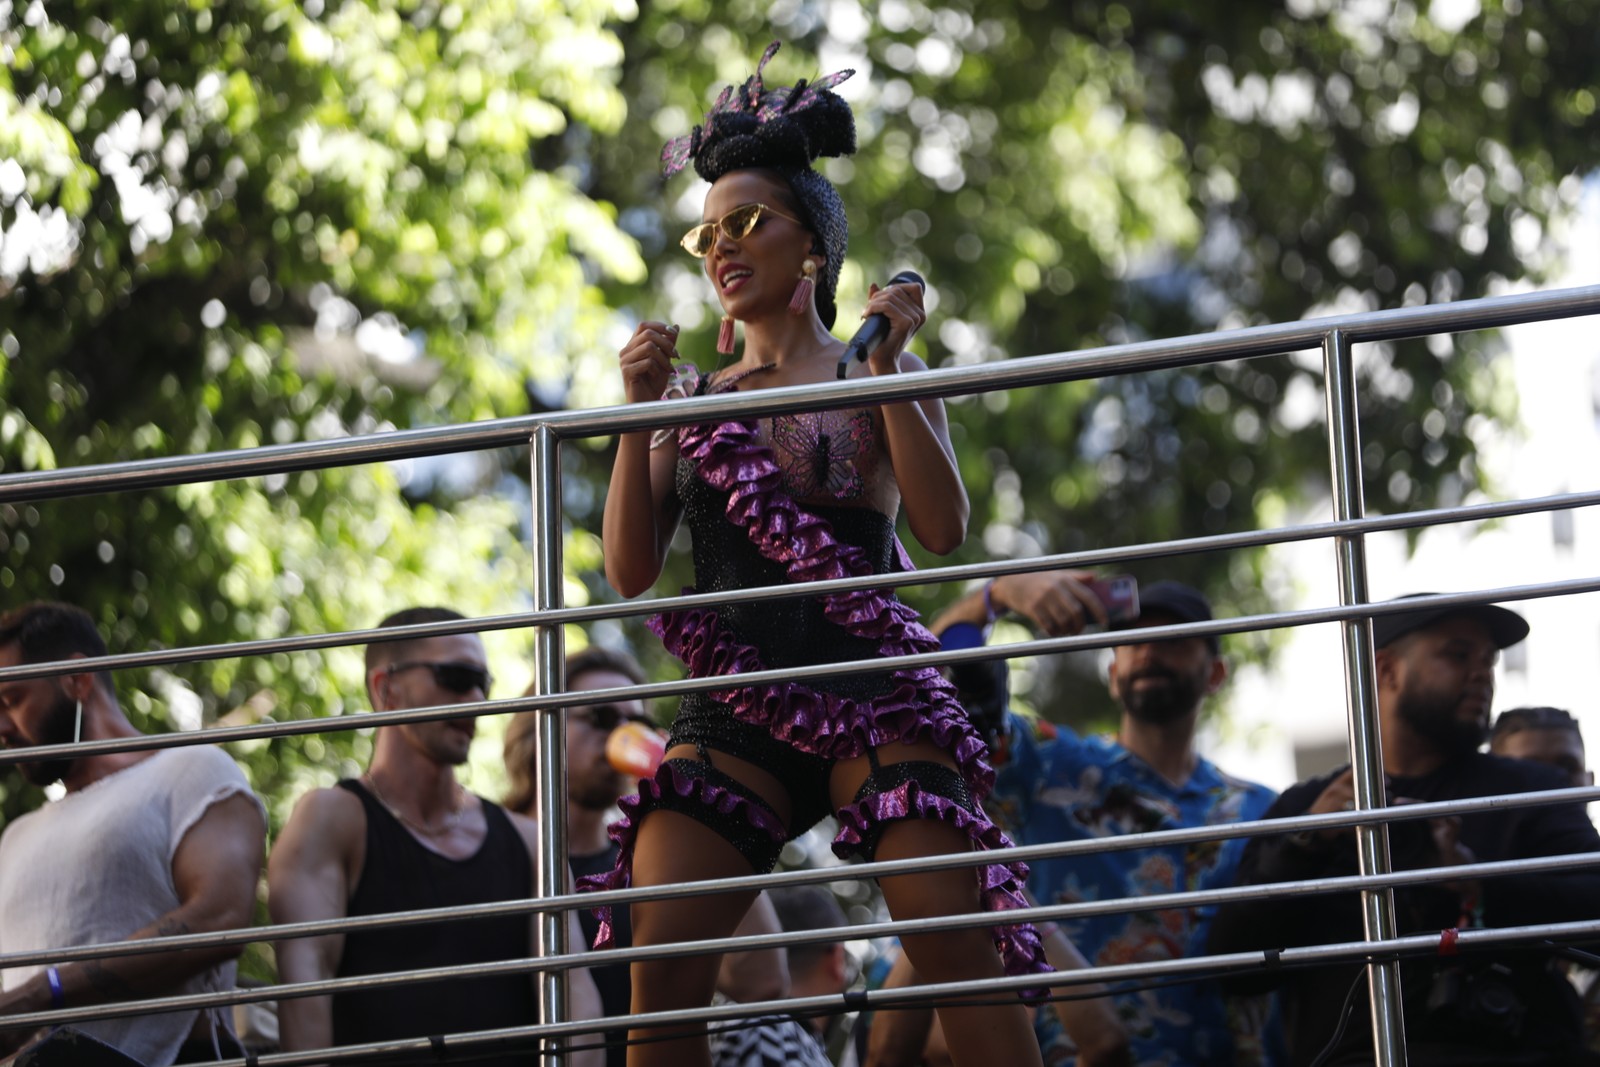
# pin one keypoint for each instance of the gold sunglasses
(735, 225)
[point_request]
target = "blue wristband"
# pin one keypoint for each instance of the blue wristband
(58, 995)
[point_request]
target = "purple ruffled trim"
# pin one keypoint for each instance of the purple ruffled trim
(626, 829)
(731, 459)
(921, 703)
(999, 884)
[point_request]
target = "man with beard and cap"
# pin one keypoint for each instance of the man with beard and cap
(1435, 684)
(403, 836)
(141, 845)
(594, 785)
(1055, 785)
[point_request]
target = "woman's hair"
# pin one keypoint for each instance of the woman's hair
(522, 732)
(785, 130)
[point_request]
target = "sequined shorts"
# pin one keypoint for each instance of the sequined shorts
(705, 723)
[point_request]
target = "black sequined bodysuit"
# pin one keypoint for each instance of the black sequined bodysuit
(793, 632)
(785, 503)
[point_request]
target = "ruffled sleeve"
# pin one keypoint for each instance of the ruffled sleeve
(684, 382)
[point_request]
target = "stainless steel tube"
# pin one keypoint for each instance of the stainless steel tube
(1098, 557)
(879, 869)
(1416, 944)
(899, 928)
(549, 676)
(1046, 646)
(1199, 349)
(1361, 700)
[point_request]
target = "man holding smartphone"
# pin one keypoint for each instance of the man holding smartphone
(1055, 785)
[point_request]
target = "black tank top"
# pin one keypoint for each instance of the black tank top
(401, 875)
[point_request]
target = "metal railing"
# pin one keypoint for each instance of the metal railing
(543, 434)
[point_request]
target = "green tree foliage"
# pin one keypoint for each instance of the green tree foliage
(232, 223)
(1075, 174)
(243, 223)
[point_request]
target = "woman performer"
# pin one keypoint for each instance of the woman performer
(794, 499)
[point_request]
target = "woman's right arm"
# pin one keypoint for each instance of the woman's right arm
(641, 512)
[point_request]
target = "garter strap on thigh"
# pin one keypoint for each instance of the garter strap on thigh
(932, 779)
(712, 808)
(697, 789)
(931, 792)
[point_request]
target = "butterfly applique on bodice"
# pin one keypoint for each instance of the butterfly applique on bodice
(827, 455)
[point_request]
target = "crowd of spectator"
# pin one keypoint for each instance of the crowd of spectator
(164, 843)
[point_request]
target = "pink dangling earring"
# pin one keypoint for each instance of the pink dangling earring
(725, 336)
(800, 303)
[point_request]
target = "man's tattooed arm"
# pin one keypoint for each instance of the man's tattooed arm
(106, 982)
(172, 926)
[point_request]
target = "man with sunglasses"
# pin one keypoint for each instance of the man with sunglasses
(407, 835)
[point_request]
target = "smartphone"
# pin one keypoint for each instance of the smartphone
(1119, 595)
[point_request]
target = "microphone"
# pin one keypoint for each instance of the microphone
(876, 328)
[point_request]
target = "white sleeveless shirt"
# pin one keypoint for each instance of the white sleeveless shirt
(96, 866)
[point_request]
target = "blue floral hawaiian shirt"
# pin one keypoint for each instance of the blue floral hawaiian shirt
(1054, 785)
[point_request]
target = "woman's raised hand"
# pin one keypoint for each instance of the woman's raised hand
(646, 361)
(902, 305)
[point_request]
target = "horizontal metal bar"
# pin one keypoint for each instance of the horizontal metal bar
(931, 576)
(1250, 342)
(862, 871)
(1104, 361)
(943, 993)
(1417, 944)
(817, 672)
(893, 928)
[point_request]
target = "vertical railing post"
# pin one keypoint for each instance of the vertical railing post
(549, 676)
(1366, 750)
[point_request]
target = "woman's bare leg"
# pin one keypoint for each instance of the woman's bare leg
(672, 847)
(994, 1034)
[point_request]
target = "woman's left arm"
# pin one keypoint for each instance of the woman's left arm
(916, 433)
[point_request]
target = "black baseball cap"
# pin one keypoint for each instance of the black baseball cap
(1506, 627)
(1183, 602)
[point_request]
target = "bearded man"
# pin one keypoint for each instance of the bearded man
(1435, 686)
(144, 844)
(1054, 785)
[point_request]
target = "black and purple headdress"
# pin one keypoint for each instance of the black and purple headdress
(784, 129)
